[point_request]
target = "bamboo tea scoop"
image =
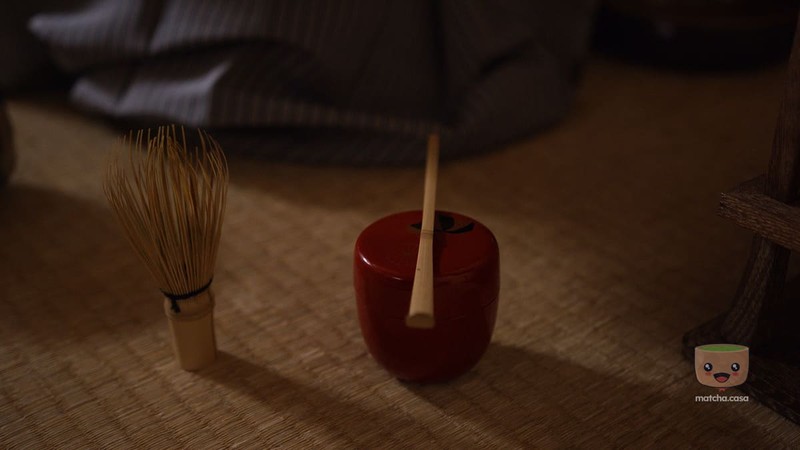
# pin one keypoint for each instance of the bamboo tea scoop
(420, 311)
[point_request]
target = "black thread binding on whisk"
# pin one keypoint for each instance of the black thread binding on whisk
(174, 298)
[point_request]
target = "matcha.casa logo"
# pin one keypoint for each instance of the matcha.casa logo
(721, 365)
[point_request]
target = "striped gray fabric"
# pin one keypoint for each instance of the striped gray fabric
(348, 81)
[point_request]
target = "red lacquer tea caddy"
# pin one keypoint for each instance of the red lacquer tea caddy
(466, 287)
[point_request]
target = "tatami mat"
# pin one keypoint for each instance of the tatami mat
(610, 251)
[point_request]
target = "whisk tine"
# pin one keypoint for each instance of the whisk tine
(170, 201)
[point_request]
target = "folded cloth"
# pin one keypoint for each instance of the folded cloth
(314, 80)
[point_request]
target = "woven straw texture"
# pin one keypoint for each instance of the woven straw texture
(610, 251)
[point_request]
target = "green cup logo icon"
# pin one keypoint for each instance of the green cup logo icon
(721, 365)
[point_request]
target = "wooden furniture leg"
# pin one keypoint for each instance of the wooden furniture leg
(765, 309)
(759, 292)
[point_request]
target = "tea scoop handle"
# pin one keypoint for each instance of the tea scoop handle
(420, 311)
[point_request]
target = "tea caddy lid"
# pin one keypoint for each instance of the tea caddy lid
(461, 245)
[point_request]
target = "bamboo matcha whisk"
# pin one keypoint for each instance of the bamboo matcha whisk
(170, 201)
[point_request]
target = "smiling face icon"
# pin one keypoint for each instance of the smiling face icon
(721, 365)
